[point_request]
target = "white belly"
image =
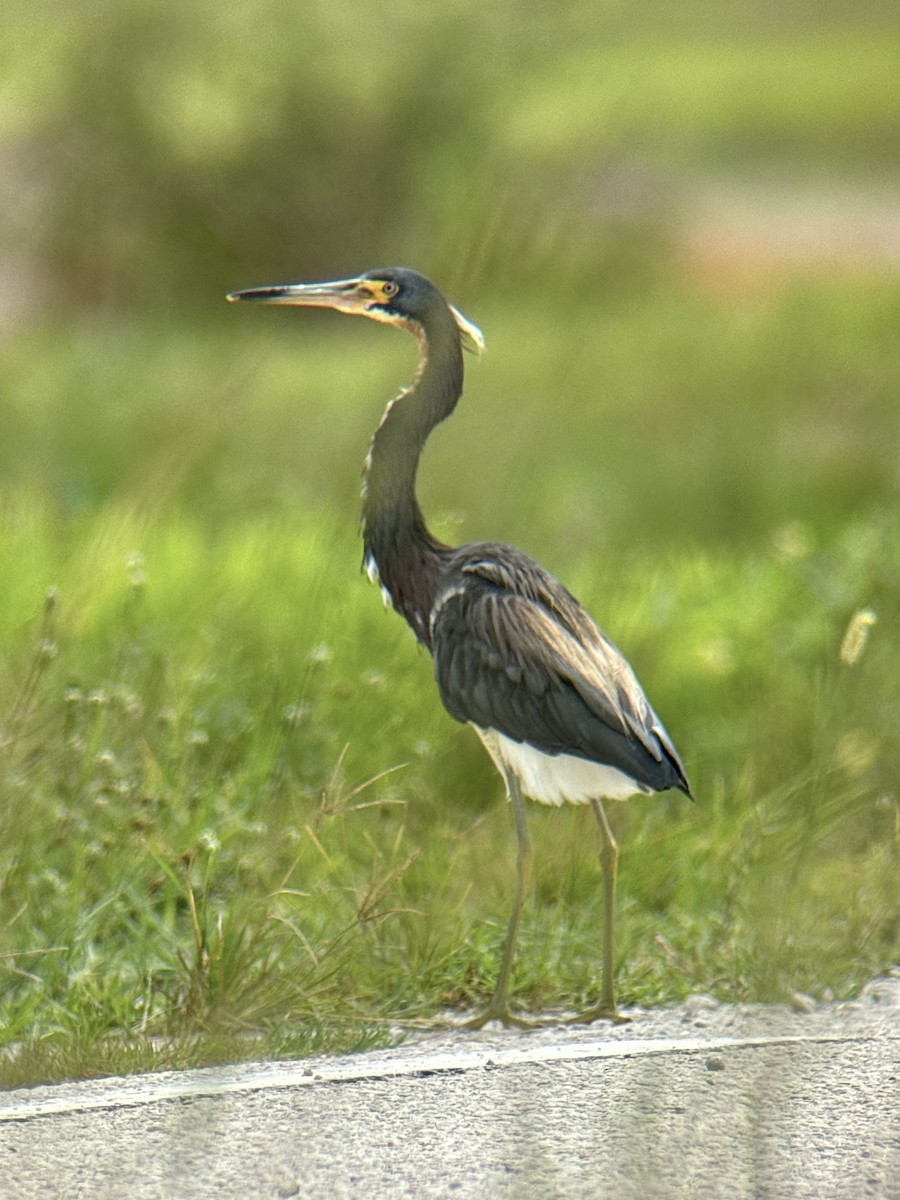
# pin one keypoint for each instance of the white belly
(557, 778)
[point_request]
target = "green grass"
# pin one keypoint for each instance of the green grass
(234, 819)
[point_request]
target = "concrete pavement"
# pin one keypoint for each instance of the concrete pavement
(699, 1101)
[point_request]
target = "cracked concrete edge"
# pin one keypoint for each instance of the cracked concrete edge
(700, 1025)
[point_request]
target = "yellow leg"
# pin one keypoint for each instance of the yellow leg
(609, 856)
(498, 1009)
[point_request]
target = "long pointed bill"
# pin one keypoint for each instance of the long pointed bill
(346, 295)
(366, 296)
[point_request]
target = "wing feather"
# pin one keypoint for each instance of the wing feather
(515, 652)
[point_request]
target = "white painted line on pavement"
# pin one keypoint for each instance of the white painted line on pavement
(131, 1091)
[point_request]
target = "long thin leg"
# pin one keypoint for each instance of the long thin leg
(609, 856)
(498, 1009)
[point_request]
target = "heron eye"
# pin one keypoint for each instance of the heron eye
(389, 289)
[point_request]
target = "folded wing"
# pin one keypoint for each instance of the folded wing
(515, 652)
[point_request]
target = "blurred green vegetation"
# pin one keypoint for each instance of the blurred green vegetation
(234, 819)
(169, 151)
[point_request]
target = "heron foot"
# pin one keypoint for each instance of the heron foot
(498, 1012)
(604, 1011)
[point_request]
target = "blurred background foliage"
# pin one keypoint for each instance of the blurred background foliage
(678, 228)
(166, 149)
(729, 169)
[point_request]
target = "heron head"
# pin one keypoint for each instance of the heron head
(394, 295)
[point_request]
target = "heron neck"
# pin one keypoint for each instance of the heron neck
(398, 544)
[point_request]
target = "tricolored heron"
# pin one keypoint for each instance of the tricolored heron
(556, 705)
